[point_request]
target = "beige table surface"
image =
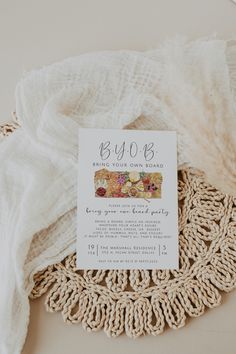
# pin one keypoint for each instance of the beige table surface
(36, 33)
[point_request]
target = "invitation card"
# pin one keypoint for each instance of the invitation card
(127, 199)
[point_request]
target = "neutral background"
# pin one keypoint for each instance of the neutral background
(36, 33)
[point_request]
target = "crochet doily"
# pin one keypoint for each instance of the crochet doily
(141, 302)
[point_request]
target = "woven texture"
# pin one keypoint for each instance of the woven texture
(141, 301)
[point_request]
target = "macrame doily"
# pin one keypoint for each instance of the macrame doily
(141, 302)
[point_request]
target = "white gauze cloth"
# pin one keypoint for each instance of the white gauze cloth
(185, 86)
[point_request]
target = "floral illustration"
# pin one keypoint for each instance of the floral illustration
(127, 184)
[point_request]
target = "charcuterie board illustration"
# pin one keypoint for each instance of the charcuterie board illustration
(127, 184)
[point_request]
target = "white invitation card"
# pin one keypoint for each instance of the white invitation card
(127, 199)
